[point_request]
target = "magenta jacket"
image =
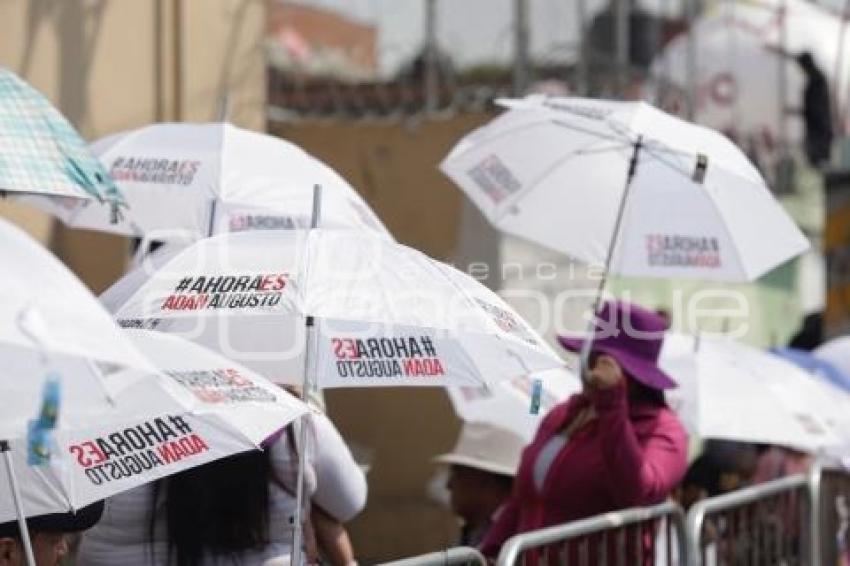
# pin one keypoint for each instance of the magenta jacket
(626, 457)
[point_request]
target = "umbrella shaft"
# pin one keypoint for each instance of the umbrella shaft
(16, 496)
(298, 530)
(298, 534)
(587, 347)
(211, 227)
(316, 218)
(632, 170)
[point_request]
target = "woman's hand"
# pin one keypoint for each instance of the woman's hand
(606, 373)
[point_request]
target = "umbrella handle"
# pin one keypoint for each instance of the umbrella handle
(19, 508)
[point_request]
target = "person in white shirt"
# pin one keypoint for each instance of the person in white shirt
(238, 510)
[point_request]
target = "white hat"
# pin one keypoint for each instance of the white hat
(486, 447)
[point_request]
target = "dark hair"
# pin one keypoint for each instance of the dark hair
(806, 61)
(219, 508)
(637, 391)
(502, 482)
(84, 518)
(640, 393)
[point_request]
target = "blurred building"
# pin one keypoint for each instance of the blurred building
(306, 41)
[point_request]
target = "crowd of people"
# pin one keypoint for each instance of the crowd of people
(614, 445)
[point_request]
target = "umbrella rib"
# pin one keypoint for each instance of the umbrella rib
(669, 164)
(527, 125)
(610, 148)
(684, 172)
(612, 137)
(441, 269)
(659, 145)
(500, 134)
(217, 191)
(585, 150)
(716, 209)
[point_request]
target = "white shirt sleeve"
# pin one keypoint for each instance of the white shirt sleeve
(340, 483)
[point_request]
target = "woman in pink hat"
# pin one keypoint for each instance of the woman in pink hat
(613, 446)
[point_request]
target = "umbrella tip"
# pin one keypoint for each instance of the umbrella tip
(700, 168)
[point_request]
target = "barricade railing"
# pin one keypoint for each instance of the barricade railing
(628, 537)
(771, 523)
(831, 488)
(798, 520)
(460, 555)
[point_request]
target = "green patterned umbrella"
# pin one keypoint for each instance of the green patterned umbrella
(41, 153)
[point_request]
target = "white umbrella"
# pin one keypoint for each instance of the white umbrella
(732, 391)
(624, 185)
(45, 308)
(188, 181)
(384, 314)
(627, 186)
(197, 407)
(376, 313)
(516, 404)
(81, 384)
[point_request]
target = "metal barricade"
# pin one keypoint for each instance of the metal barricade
(628, 538)
(831, 487)
(771, 523)
(460, 555)
(799, 520)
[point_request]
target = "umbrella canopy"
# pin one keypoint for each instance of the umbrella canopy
(508, 404)
(557, 171)
(188, 181)
(836, 353)
(817, 365)
(731, 391)
(197, 407)
(383, 314)
(64, 359)
(46, 309)
(41, 153)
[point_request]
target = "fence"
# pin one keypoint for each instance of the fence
(454, 556)
(833, 516)
(771, 523)
(625, 536)
(794, 521)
